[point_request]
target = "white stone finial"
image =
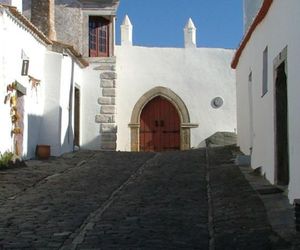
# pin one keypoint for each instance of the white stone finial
(190, 34)
(126, 32)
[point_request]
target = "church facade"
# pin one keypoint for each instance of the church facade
(94, 94)
(196, 81)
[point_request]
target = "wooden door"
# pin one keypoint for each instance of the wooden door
(19, 125)
(282, 142)
(159, 126)
(77, 118)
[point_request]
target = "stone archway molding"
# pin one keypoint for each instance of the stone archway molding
(185, 124)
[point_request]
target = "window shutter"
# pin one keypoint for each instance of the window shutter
(98, 37)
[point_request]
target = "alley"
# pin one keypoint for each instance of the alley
(196, 199)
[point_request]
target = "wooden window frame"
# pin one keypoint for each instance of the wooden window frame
(98, 36)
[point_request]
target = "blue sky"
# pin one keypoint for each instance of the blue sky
(160, 23)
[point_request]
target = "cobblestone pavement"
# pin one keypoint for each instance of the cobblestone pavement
(194, 199)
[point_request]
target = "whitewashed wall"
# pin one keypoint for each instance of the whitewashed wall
(251, 8)
(276, 31)
(90, 91)
(196, 75)
(11, 62)
(46, 119)
(61, 76)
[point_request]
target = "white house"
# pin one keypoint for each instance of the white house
(99, 96)
(266, 64)
(38, 82)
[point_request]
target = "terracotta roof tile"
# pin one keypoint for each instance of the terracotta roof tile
(77, 56)
(15, 13)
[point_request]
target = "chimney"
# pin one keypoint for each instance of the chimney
(126, 32)
(42, 16)
(190, 35)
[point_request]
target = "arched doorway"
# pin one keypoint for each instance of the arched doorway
(176, 102)
(159, 126)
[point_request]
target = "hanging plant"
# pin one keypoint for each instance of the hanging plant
(14, 91)
(34, 82)
(10, 89)
(12, 99)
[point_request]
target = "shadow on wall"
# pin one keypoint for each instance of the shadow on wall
(67, 144)
(93, 144)
(34, 125)
(47, 130)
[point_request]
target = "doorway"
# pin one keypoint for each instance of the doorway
(159, 126)
(19, 124)
(281, 126)
(77, 118)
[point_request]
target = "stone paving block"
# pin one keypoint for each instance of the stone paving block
(121, 200)
(50, 228)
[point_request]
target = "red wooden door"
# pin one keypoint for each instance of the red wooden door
(159, 126)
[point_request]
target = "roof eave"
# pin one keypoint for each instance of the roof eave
(257, 20)
(22, 20)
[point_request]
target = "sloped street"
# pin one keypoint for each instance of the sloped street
(197, 199)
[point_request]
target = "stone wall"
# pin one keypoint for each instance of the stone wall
(5, 1)
(71, 21)
(42, 16)
(68, 22)
(107, 115)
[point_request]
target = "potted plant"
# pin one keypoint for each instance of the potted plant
(43, 151)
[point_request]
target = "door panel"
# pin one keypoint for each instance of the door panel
(77, 118)
(282, 143)
(159, 126)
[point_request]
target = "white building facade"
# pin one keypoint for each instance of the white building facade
(94, 94)
(43, 92)
(266, 66)
(190, 78)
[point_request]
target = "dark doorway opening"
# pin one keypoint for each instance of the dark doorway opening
(77, 118)
(281, 128)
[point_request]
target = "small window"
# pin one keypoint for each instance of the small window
(250, 77)
(265, 72)
(98, 37)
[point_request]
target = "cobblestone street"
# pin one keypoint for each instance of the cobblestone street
(196, 199)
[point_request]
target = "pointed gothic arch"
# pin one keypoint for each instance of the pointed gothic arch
(172, 97)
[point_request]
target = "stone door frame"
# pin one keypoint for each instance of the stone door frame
(185, 124)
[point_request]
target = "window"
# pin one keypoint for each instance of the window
(265, 72)
(98, 37)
